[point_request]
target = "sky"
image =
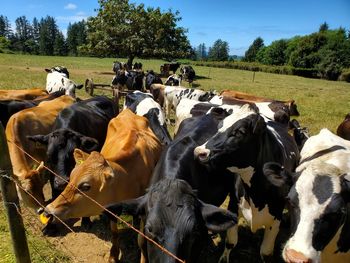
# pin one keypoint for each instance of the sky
(238, 22)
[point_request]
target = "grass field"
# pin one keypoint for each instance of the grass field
(321, 103)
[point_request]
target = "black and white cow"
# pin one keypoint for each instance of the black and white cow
(318, 197)
(117, 66)
(82, 125)
(152, 78)
(143, 104)
(131, 80)
(173, 215)
(173, 80)
(243, 144)
(57, 79)
(188, 73)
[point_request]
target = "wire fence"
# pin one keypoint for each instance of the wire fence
(29, 215)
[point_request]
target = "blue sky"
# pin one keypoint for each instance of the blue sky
(238, 22)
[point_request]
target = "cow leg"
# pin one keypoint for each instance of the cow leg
(115, 251)
(268, 244)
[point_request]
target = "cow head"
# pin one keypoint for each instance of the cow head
(151, 78)
(91, 176)
(60, 147)
(232, 145)
(318, 204)
(176, 219)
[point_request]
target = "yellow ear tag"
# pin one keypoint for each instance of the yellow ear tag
(79, 162)
(44, 219)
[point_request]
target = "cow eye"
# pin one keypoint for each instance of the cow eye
(84, 187)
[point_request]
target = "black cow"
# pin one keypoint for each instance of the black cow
(137, 66)
(83, 125)
(318, 198)
(243, 144)
(173, 215)
(150, 78)
(188, 73)
(143, 104)
(10, 107)
(131, 80)
(167, 67)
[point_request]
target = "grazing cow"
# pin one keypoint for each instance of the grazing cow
(173, 80)
(300, 135)
(131, 80)
(157, 91)
(75, 127)
(243, 144)
(58, 79)
(36, 120)
(10, 107)
(174, 94)
(143, 104)
(167, 67)
(343, 129)
(137, 66)
(188, 73)
(173, 214)
(21, 94)
(318, 197)
(152, 78)
(121, 171)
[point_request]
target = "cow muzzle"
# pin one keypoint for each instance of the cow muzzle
(202, 154)
(293, 256)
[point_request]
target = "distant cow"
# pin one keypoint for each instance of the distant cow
(188, 73)
(152, 78)
(131, 80)
(143, 104)
(343, 129)
(173, 80)
(21, 94)
(75, 127)
(137, 66)
(318, 198)
(117, 66)
(167, 67)
(58, 79)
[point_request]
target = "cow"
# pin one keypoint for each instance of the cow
(318, 198)
(152, 78)
(121, 171)
(171, 212)
(300, 134)
(10, 107)
(130, 80)
(21, 94)
(243, 144)
(117, 66)
(167, 67)
(343, 130)
(32, 121)
(75, 127)
(58, 79)
(174, 94)
(173, 80)
(157, 91)
(188, 73)
(143, 104)
(137, 66)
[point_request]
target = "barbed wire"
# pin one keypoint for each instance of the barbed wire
(164, 250)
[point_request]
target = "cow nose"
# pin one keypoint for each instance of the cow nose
(202, 154)
(294, 256)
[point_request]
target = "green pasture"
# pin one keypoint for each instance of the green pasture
(321, 103)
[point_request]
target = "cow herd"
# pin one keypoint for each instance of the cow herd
(226, 145)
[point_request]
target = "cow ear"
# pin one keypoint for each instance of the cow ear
(48, 70)
(79, 156)
(217, 219)
(134, 207)
(43, 139)
(89, 144)
(259, 125)
(106, 177)
(79, 86)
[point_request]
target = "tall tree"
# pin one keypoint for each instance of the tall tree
(126, 29)
(201, 52)
(323, 27)
(219, 51)
(251, 53)
(76, 36)
(5, 28)
(48, 32)
(60, 46)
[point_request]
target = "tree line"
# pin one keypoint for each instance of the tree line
(41, 37)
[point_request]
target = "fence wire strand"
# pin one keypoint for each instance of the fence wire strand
(164, 250)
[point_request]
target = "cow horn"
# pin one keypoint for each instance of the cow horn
(40, 167)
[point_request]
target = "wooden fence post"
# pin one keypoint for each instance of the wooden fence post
(11, 203)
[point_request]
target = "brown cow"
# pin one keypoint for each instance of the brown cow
(343, 129)
(21, 94)
(36, 120)
(121, 171)
(157, 90)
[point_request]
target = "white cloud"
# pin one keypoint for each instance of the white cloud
(70, 6)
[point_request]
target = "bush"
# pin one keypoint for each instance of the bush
(345, 75)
